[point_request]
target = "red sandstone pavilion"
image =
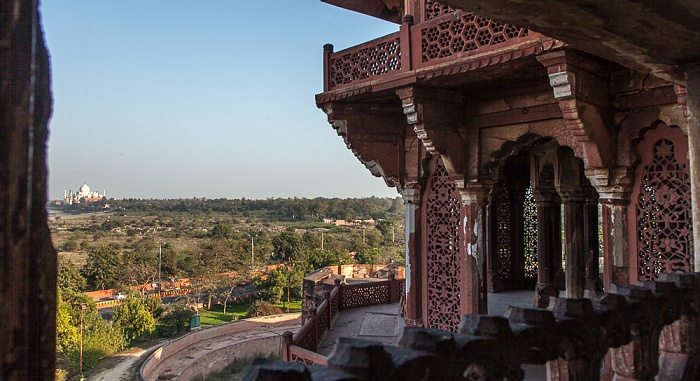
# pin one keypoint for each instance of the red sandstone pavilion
(501, 129)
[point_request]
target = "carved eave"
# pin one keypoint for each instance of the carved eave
(581, 85)
(437, 117)
(373, 133)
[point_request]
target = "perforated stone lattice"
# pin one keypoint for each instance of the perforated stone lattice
(465, 33)
(366, 62)
(434, 9)
(365, 295)
(302, 360)
(504, 233)
(443, 269)
(664, 226)
(530, 234)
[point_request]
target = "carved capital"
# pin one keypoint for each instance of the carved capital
(411, 194)
(611, 183)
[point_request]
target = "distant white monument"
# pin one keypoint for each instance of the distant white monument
(83, 195)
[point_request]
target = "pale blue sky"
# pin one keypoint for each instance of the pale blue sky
(199, 98)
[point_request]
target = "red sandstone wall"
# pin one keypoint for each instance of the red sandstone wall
(217, 359)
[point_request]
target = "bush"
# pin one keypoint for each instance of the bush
(262, 308)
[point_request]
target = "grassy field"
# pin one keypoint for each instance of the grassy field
(216, 314)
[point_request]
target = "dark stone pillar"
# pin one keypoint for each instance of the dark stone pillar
(473, 288)
(414, 272)
(590, 215)
(574, 242)
(692, 79)
(548, 245)
(27, 259)
(493, 278)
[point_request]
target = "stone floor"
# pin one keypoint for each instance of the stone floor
(383, 324)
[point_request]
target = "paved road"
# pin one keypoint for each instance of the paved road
(123, 366)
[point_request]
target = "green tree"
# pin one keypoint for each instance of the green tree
(69, 275)
(287, 245)
(103, 267)
(283, 282)
(70, 245)
(367, 255)
(175, 319)
(133, 316)
(221, 231)
(99, 339)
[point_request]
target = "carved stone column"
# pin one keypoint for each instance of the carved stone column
(493, 278)
(474, 285)
(548, 245)
(574, 241)
(414, 266)
(614, 187)
(590, 215)
(693, 104)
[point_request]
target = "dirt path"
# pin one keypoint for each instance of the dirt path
(123, 366)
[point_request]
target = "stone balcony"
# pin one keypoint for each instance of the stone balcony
(449, 43)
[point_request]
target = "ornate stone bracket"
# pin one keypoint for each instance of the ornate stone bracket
(436, 117)
(581, 87)
(374, 135)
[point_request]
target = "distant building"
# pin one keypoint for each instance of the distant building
(83, 195)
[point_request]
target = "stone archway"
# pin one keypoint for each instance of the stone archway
(543, 209)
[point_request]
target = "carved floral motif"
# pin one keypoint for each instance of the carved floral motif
(443, 269)
(664, 226)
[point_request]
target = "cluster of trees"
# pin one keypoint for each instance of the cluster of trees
(291, 209)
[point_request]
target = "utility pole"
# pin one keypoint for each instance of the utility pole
(83, 306)
(252, 251)
(160, 264)
(363, 235)
(321, 239)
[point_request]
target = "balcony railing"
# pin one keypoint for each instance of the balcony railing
(443, 37)
(648, 331)
(301, 347)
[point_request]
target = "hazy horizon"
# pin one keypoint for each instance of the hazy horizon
(179, 99)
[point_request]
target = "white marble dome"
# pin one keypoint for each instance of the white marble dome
(84, 189)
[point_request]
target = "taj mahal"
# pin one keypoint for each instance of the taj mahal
(84, 194)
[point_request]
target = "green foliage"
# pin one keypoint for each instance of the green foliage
(99, 339)
(367, 255)
(221, 231)
(103, 267)
(262, 308)
(69, 276)
(174, 319)
(70, 245)
(287, 245)
(318, 258)
(282, 282)
(67, 334)
(134, 318)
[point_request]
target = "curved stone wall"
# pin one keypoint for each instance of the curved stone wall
(201, 352)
